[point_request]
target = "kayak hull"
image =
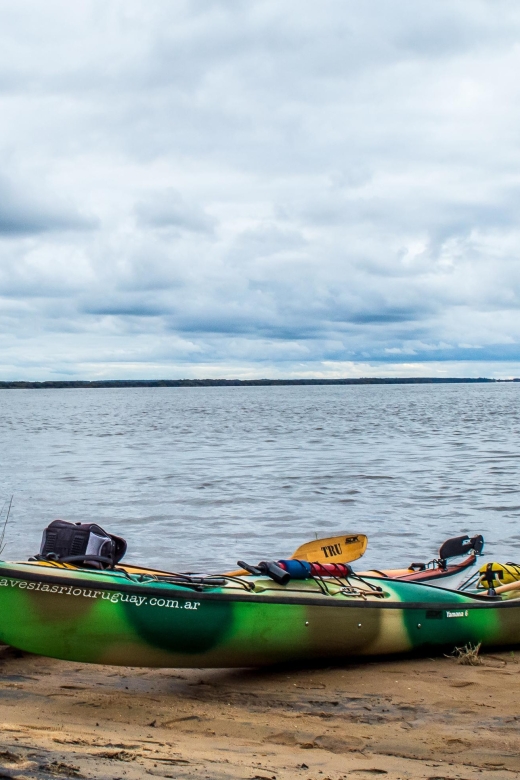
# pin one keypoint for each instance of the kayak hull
(108, 618)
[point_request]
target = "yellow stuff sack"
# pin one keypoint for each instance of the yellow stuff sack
(493, 574)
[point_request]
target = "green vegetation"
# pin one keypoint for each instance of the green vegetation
(240, 382)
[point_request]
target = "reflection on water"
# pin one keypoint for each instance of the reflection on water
(203, 476)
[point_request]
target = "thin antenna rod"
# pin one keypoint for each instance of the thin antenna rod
(2, 545)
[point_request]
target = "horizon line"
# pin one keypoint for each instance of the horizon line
(118, 383)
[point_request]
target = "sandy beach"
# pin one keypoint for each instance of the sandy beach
(428, 718)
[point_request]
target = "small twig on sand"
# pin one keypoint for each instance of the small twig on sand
(467, 655)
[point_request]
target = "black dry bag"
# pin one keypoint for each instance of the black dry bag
(86, 544)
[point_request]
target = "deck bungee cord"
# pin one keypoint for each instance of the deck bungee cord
(87, 545)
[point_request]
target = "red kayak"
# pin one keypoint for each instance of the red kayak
(438, 571)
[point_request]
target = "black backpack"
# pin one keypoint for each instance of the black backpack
(82, 543)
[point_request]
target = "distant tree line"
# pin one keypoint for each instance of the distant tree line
(241, 382)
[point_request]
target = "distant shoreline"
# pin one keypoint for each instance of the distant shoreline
(107, 383)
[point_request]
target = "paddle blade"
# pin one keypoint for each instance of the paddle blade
(333, 549)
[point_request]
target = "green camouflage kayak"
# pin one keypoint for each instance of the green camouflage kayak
(137, 618)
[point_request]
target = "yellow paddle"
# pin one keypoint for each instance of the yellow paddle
(331, 549)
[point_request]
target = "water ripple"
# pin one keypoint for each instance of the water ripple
(204, 476)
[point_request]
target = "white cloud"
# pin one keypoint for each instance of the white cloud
(248, 186)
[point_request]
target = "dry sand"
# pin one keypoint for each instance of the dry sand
(418, 718)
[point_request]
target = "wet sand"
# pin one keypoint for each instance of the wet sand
(420, 718)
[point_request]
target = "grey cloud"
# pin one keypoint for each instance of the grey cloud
(266, 241)
(124, 308)
(21, 214)
(279, 186)
(168, 209)
(386, 317)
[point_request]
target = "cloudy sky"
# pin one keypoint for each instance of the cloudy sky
(252, 188)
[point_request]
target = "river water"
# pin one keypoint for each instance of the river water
(196, 478)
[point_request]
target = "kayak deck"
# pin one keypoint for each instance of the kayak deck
(375, 585)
